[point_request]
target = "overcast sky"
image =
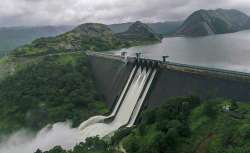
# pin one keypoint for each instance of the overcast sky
(72, 12)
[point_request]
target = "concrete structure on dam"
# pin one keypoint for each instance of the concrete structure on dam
(111, 73)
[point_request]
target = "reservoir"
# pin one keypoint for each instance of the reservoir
(225, 51)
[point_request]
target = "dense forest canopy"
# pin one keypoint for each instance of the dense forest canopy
(53, 89)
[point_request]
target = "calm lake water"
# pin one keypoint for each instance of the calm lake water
(227, 51)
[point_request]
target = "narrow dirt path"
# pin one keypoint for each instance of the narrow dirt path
(202, 147)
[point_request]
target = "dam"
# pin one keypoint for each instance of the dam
(132, 84)
(127, 106)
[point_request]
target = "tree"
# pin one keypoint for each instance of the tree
(38, 151)
(210, 109)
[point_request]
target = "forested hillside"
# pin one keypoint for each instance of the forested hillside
(46, 90)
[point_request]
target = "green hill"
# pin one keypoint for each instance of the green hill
(89, 36)
(139, 33)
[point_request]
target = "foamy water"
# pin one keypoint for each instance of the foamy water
(60, 134)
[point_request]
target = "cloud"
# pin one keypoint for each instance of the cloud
(54, 12)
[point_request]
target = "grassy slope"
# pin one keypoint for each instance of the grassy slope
(48, 89)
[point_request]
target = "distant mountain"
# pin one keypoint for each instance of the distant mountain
(207, 22)
(13, 37)
(164, 28)
(139, 33)
(120, 27)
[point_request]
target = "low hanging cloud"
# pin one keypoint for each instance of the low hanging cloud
(61, 12)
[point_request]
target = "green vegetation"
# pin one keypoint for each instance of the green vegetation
(90, 36)
(183, 125)
(48, 89)
(162, 129)
(9, 65)
(92, 145)
(224, 129)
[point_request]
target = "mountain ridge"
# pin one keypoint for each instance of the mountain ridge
(91, 37)
(164, 28)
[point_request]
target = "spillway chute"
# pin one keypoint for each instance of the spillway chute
(127, 107)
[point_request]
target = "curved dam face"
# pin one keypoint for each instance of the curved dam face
(110, 76)
(172, 83)
(175, 81)
(127, 106)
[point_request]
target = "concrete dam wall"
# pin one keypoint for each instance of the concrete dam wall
(112, 73)
(171, 83)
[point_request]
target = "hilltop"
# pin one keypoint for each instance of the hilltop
(163, 28)
(220, 21)
(139, 33)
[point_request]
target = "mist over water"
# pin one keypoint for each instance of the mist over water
(59, 134)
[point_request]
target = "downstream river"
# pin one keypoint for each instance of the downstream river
(227, 51)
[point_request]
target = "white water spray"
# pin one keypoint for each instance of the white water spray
(127, 107)
(59, 134)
